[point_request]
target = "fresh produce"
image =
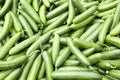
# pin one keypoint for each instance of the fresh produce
(59, 39)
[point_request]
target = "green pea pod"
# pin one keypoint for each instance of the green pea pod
(55, 12)
(6, 27)
(109, 64)
(32, 23)
(26, 26)
(71, 13)
(35, 68)
(29, 9)
(13, 63)
(81, 75)
(114, 73)
(104, 30)
(28, 65)
(5, 7)
(85, 14)
(55, 47)
(16, 23)
(71, 62)
(57, 23)
(77, 52)
(40, 41)
(46, 3)
(14, 75)
(89, 31)
(83, 23)
(79, 6)
(116, 16)
(22, 45)
(116, 30)
(42, 71)
(48, 65)
(14, 6)
(35, 4)
(4, 74)
(114, 41)
(62, 57)
(90, 4)
(5, 49)
(42, 13)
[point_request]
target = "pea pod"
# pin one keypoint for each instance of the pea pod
(4, 65)
(104, 30)
(35, 5)
(5, 49)
(41, 71)
(5, 7)
(85, 14)
(28, 65)
(46, 3)
(48, 65)
(35, 68)
(32, 23)
(6, 27)
(114, 73)
(77, 52)
(83, 75)
(71, 12)
(14, 75)
(29, 9)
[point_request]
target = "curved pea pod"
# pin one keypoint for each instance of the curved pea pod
(105, 13)
(112, 54)
(27, 66)
(90, 4)
(5, 49)
(40, 41)
(71, 12)
(83, 75)
(14, 75)
(5, 7)
(77, 52)
(26, 26)
(71, 62)
(46, 3)
(35, 4)
(104, 2)
(108, 6)
(114, 73)
(114, 41)
(79, 6)
(82, 23)
(116, 30)
(57, 23)
(14, 6)
(16, 23)
(32, 23)
(22, 45)
(42, 13)
(41, 71)
(62, 57)
(55, 12)
(89, 31)
(116, 17)
(94, 58)
(35, 68)
(4, 65)
(48, 65)
(4, 74)
(85, 45)
(6, 27)
(62, 30)
(29, 9)
(55, 48)
(109, 64)
(85, 14)
(104, 29)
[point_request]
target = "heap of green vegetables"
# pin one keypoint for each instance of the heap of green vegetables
(59, 40)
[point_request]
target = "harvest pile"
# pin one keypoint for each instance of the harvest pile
(59, 40)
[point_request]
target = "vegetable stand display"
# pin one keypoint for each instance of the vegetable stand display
(59, 40)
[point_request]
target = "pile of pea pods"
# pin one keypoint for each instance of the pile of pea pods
(59, 39)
